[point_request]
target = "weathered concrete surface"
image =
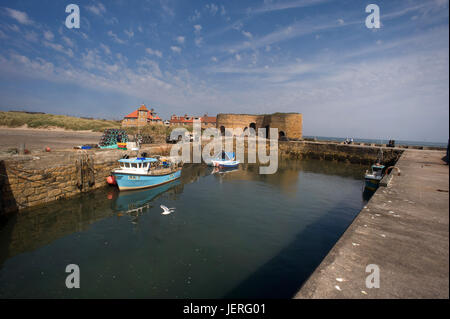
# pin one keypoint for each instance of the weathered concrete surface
(39, 139)
(404, 230)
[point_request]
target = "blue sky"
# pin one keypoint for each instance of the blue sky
(315, 57)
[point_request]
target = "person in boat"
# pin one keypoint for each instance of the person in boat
(223, 155)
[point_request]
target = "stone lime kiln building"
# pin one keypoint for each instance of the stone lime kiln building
(289, 125)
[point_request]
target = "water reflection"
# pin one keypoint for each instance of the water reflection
(135, 203)
(232, 230)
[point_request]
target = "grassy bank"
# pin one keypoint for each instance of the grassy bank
(17, 119)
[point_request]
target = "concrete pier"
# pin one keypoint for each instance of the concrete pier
(404, 230)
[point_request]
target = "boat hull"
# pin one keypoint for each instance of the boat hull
(226, 164)
(231, 165)
(372, 184)
(126, 181)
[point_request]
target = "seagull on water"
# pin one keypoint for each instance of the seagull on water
(167, 211)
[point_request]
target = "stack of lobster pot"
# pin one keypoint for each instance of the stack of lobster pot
(113, 136)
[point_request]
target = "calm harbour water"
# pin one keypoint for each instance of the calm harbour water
(234, 234)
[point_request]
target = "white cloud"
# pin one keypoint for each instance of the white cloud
(105, 48)
(296, 29)
(59, 48)
(198, 41)
(214, 59)
(222, 10)
(150, 66)
(115, 37)
(175, 49)
(97, 9)
(270, 6)
(247, 34)
(154, 52)
(212, 8)
(111, 20)
(197, 15)
(129, 33)
(237, 57)
(14, 27)
(19, 16)
(68, 41)
(167, 8)
(237, 25)
(341, 21)
(197, 28)
(180, 39)
(49, 36)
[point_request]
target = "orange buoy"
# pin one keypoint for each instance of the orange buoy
(111, 180)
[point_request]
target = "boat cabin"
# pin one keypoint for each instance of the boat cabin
(225, 156)
(377, 169)
(136, 163)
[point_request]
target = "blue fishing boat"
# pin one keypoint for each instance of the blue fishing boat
(145, 172)
(373, 178)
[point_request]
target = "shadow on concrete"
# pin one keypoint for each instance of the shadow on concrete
(283, 275)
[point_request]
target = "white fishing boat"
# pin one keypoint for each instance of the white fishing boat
(225, 160)
(373, 178)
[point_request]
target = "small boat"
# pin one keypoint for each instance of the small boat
(225, 160)
(145, 172)
(373, 178)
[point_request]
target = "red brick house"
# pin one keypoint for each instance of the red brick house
(141, 117)
(186, 120)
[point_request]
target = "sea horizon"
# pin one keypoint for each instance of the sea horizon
(379, 141)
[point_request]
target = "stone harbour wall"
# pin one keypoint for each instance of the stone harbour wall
(30, 181)
(355, 154)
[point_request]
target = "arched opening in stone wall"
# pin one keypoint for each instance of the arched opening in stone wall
(282, 136)
(222, 130)
(267, 131)
(253, 126)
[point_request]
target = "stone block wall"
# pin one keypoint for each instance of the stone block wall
(27, 182)
(339, 152)
(289, 124)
